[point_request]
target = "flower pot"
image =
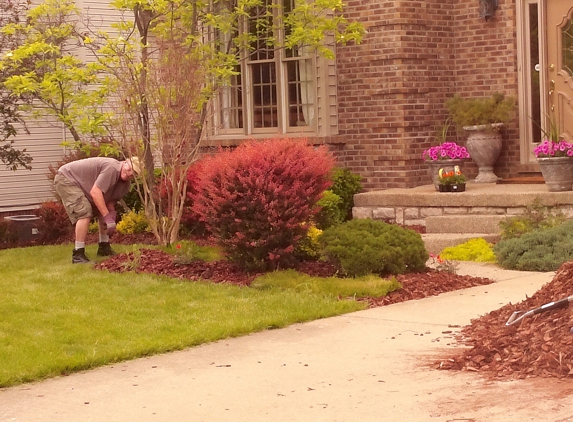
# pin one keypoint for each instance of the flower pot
(447, 165)
(557, 173)
(484, 145)
(460, 187)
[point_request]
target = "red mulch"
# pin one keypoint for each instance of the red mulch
(537, 346)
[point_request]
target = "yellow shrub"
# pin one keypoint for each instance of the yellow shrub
(133, 222)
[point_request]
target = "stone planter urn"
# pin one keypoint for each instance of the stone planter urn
(484, 145)
(447, 165)
(557, 173)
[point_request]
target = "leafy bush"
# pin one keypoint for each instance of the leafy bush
(365, 246)
(536, 216)
(331, 211)
(478, 250)
(539, 250)
(54, 223)
(133, 222)
(346, 184)
(258, 199)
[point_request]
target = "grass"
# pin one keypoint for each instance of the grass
(59, 318)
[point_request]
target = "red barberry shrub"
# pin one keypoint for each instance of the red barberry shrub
(54, 223)
(257, 200)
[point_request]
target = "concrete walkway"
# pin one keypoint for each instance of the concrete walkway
(373, 365)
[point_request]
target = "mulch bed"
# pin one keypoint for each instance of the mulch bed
(537, 346)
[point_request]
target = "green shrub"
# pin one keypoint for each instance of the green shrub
(346, 184)
(331, 210)
(133, 222)
(539, 250)
(478, 250)
(365, 246)
(536, 216)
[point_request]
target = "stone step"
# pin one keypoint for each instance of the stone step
(464, 224)
(436, 242)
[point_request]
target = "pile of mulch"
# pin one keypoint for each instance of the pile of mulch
(538, 346)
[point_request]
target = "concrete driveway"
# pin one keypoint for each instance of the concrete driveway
(373, 365)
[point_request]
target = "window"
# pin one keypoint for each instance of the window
(275, 90)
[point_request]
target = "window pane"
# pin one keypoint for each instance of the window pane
(261, 28)
(265, 104)
(231, 110)
(301, 94)
(567, 49)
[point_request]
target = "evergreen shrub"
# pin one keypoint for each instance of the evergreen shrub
(539, 250)
(365, 246)
(258, 199)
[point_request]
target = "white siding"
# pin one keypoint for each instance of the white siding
(24, 189)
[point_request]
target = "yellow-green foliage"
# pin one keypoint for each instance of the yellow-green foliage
(133, 222)
(478, 250)
(309, 247)
(364, 286)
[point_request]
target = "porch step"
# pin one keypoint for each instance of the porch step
(462, 224)
(436, 242)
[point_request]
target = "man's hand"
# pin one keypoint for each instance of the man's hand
(109, 221)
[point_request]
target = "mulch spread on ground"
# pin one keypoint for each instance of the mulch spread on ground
(538, 346)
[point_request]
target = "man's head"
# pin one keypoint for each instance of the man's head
(130, 167)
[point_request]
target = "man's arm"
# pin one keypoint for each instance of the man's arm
(99, 201)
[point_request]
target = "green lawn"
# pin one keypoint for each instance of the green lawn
(58, 318)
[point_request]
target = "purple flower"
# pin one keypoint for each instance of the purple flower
(447, 150)
(549, 148)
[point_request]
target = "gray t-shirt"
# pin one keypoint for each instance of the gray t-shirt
(100, 171)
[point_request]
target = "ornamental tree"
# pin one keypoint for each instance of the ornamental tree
(11, 11)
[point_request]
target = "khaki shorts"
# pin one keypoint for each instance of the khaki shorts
(75, 202)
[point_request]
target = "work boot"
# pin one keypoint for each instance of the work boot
(104, 249)
(79, 256)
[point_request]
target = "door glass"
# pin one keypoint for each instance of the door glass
(535, 107)
(567, 48)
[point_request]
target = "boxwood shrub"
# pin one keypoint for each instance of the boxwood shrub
(364, 246)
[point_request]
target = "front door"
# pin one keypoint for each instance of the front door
(559, 81)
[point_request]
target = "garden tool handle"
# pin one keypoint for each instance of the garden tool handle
(560, 304)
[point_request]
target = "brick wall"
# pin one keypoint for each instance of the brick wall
(392, 87)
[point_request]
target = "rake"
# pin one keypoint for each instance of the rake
(519, 315)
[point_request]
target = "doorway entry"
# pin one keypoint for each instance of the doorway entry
(545, 64)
